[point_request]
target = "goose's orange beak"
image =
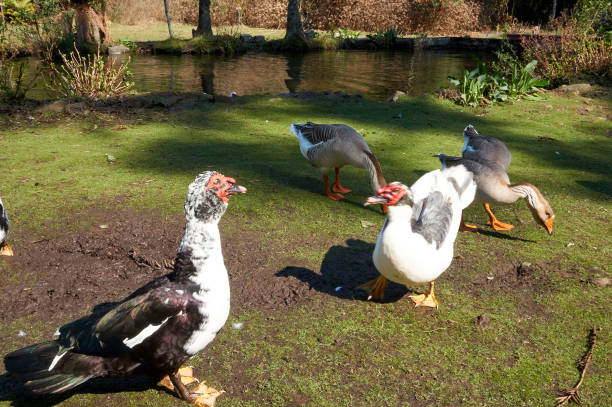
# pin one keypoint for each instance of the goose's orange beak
(549, 225)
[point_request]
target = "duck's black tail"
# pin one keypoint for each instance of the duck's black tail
(47, 368)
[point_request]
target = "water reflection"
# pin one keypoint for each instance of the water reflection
(374, 74)
(294, 70)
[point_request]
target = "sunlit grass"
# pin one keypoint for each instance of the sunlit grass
(331, 351)
(159, 31)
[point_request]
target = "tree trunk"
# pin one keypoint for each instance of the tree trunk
(554, 10)
(167, 17)
(91, 27)
(294, 22)
(204, 26)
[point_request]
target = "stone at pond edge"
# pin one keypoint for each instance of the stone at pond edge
(245, 37)
(396, 96)
(259, 39)
(576, 89)
(56, 107)
(309, 33)
(118, 50)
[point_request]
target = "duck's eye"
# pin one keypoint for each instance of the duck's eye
(217, 182)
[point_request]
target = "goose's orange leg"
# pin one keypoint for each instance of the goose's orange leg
(464, 227)
(375, 288)
(497, 225)
(332, 195)
(337, 187)
(425, 300)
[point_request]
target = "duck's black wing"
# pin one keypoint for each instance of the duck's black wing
(100, 344)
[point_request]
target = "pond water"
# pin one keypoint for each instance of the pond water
(374, 74)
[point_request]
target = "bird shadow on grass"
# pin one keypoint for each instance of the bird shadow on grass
(343, 269)
(13, 391)
(498, 235)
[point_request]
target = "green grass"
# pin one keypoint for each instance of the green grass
(159, 31)
(338, 352)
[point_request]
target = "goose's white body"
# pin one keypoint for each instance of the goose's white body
(407, 257)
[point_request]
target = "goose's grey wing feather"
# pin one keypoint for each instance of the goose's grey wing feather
(317, 133)
(488, 148)
(432, 218)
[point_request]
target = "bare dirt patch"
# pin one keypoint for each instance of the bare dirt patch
(119, 251)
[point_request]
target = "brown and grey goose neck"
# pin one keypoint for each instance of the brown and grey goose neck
(494, 186)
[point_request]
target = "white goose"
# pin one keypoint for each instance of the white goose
(5, 248)
(328, 146)
(415, 244)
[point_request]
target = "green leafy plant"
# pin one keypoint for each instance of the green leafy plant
(226, 42)
(523, 83)
(383, 39)
(346, 34)
(479, 87)
(471, 86)
(128, 43)
(91, 77)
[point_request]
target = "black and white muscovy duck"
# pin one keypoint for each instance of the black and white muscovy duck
(489, 159)
(5, 248)
(157, 328)
(328, 146)
(416, 242)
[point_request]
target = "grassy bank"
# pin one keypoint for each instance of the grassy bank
(159, 31)
(328, 347)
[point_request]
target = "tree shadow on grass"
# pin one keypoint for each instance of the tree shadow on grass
(13, 391)
(343, 269)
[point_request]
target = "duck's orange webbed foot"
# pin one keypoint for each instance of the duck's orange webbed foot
(464, 227)
(375, 288)
(425, 300)
(200, 396)
(6, 249)
(339, 188)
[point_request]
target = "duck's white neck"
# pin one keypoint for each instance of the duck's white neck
(401, 214)
(204, 241)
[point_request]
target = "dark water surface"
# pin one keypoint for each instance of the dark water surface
(373, 74)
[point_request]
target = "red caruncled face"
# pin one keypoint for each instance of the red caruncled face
(220, 184)
(392, 193)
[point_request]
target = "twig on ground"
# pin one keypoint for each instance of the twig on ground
(572, 394)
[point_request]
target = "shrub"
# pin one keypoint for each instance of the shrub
(91, 78)
(580, 50)
(479, 87)
(227, 42)
(383, 39)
